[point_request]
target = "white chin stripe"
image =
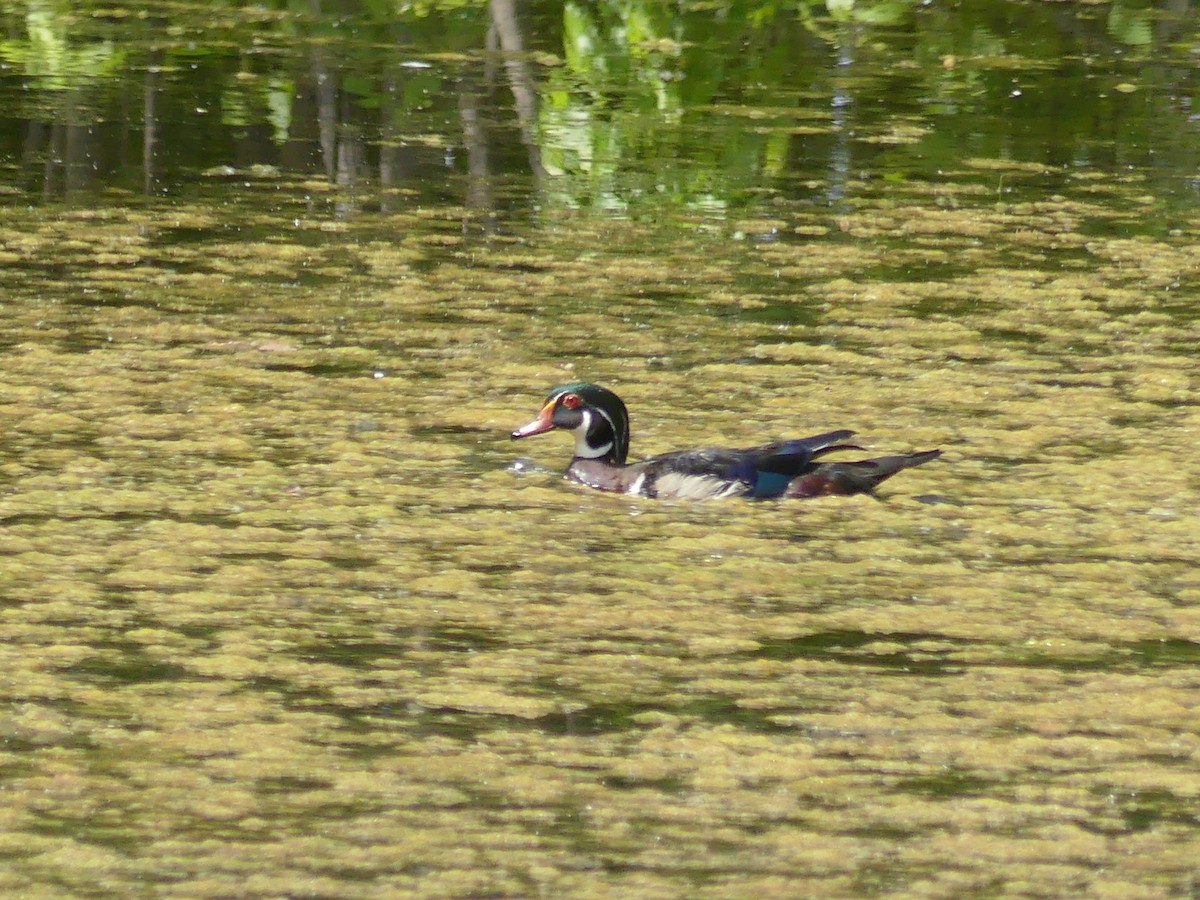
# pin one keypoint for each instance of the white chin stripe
(584, 450)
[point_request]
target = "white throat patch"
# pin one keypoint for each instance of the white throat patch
(584, 450)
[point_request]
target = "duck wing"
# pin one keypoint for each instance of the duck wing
(712, 472)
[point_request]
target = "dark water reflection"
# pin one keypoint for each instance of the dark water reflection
(278, 615)
(635, 108)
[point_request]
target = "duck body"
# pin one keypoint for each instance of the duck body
(600, 423)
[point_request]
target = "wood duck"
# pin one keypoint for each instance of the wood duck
(600, 423)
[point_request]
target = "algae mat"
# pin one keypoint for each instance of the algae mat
(277, 619)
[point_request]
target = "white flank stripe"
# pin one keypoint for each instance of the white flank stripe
(694, 487)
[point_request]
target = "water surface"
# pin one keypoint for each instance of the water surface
(276, 616)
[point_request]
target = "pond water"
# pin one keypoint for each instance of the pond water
(278, 614)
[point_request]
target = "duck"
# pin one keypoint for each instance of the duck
(599, 421)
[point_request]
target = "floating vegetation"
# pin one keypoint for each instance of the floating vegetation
(279, 616)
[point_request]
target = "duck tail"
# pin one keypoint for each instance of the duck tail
(860, 477)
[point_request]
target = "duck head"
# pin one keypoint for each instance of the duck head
(595, 415)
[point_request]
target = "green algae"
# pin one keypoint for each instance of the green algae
(277, 619)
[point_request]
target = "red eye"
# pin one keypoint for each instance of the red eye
(572, 401)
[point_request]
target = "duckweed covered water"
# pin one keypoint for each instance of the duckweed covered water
(278, 619)
(279, 616)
